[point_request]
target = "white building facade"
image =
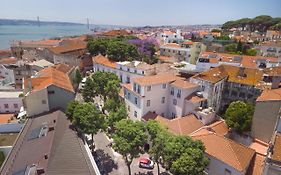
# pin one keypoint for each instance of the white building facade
(10, 101)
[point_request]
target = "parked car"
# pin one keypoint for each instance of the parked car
(146, 163)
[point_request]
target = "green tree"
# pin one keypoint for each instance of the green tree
(97, 46)
(121, 51)
(215, 30)
(191, 162)
(88, 119)
(251, 52)
(78, 76)
(89, 91)
(103, 84)
(158, 137)
(231, 47)
(71, 106)
(116, 116)
(178, 145)
(239, 116)
(239, 46)
(129, 138)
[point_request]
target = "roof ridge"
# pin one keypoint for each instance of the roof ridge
(235, 155)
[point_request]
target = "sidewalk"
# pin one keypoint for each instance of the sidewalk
(112, 163)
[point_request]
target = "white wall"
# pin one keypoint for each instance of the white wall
(155, 97)
(216, 167)
(33, 102)
(7, 74)
(10, 101)
(122, 74)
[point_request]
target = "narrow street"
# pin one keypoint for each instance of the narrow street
(112, 163)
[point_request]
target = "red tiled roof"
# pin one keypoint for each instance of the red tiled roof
(235, 155)
(155, 79)
(181, 125)
(11, 60)
(68, 48)
(50, 76)
(100, 59)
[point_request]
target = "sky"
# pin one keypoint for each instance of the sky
(139, 12)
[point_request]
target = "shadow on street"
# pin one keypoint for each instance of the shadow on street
(104, 162)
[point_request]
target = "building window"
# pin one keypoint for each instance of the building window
(173, 115)
(163, 100)
(16, 105)
(139, 89)
(179, 93)
(172, 91)
(148, 103)
(136, 114)
(6, 106)
(128, 79)
(129, 108)
(148, 88)
(44, 102)
(227, 172)
(143, 72)
(202, 88)
(128, 69)
(135, 71)
(129, 95)
(135, 87)
(51, 92)
(175, 101)
(136, 100)
(164, 86)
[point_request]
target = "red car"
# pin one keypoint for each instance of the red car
(146, 163)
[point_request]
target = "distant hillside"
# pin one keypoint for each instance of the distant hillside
(33, 22)
(259, 23)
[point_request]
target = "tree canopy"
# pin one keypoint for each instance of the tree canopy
(70, 109)
(88, 119)
(129, 138)
(260, 23)
(104, 84)
(239, 116)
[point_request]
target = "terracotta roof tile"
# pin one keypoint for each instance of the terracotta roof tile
(49, 76)
(100, 59)
(183, 84)
(68, 48)
(181, 125)
(155, 79)
(4, 118)
(11, 60)
(277, 148)
(219, 127)
(172, 45)
(193, 98)
(63, 68)
(235, 155)
(250, 76)
(270, 95)
(150, 116)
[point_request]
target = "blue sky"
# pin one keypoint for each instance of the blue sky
(139, 12)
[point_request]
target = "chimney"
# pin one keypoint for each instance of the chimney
(241, 72)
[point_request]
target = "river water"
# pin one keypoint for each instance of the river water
(10, 33)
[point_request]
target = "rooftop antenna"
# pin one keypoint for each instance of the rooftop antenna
(38, 21)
